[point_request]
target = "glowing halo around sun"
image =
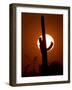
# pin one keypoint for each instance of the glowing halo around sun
(49, 39)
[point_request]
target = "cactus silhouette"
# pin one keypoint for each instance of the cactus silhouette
(44, 66)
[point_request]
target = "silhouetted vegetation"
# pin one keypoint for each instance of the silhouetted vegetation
(53, 69)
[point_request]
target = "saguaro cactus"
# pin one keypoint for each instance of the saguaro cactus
(44, 67)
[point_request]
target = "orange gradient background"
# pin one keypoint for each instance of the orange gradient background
(31, 30)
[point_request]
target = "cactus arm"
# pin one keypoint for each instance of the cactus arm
(50, 46)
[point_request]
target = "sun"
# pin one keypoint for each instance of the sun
(49, 39)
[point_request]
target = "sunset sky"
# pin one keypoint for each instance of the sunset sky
(31, 30)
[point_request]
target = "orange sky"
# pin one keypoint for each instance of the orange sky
(31, 30)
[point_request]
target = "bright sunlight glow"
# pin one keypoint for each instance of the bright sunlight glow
(49, 39)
